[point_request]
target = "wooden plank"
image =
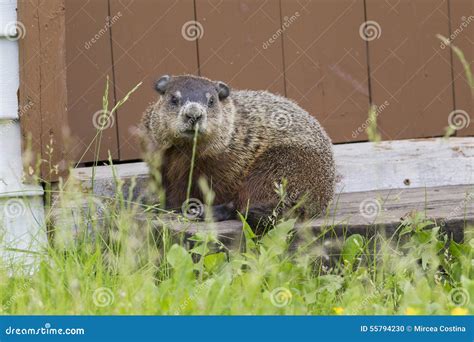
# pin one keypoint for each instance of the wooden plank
(46, 87)
(409, 69)
(405, 164)
(89, 62)
(53, 83)
(241, 43)
(29, 91)
(326, 64)
(147, 43)
(451, 207)
(402, 164)
(462, 36)
(369, 213)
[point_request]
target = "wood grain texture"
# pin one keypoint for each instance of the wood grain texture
(401, 164)
(89, 62)
(326, 64)
(241, 43)
(147, 42)
(29, 92)
(43, 88)
(405, 164)
(409, 69)
(462, 36)
(369, 213)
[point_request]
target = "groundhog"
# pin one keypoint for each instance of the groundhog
(249, 144)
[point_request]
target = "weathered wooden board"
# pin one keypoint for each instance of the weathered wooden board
(402, 164)
(367, 213)
(30, 76)
(43, 88)
(405, 164)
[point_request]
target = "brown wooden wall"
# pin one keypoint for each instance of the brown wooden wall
(310, 51)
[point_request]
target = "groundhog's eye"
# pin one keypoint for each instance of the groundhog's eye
(174, 100)
(211, 101)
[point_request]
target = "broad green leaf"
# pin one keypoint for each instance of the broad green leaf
(353, 246)
(212, 262)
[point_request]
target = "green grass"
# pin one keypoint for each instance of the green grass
(122, 265)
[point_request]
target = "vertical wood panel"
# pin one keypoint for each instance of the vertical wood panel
(52, 20)
(326, 64)
(43, 56)
(236, 47)
(147, 42)
(29, 93)
(462, 31)
(89, 61)
(409, 69)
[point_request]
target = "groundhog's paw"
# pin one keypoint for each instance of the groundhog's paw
(218, 213)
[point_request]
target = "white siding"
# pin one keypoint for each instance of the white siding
(21, 206)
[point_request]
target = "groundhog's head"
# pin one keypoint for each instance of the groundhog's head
(189, 103)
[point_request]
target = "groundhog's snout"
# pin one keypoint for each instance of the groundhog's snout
(193, 114)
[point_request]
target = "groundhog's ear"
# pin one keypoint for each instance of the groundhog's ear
(223, 90)
(162, 84)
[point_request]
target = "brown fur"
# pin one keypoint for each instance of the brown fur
(244, 152)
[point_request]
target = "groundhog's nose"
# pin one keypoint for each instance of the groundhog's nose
(194, 115)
